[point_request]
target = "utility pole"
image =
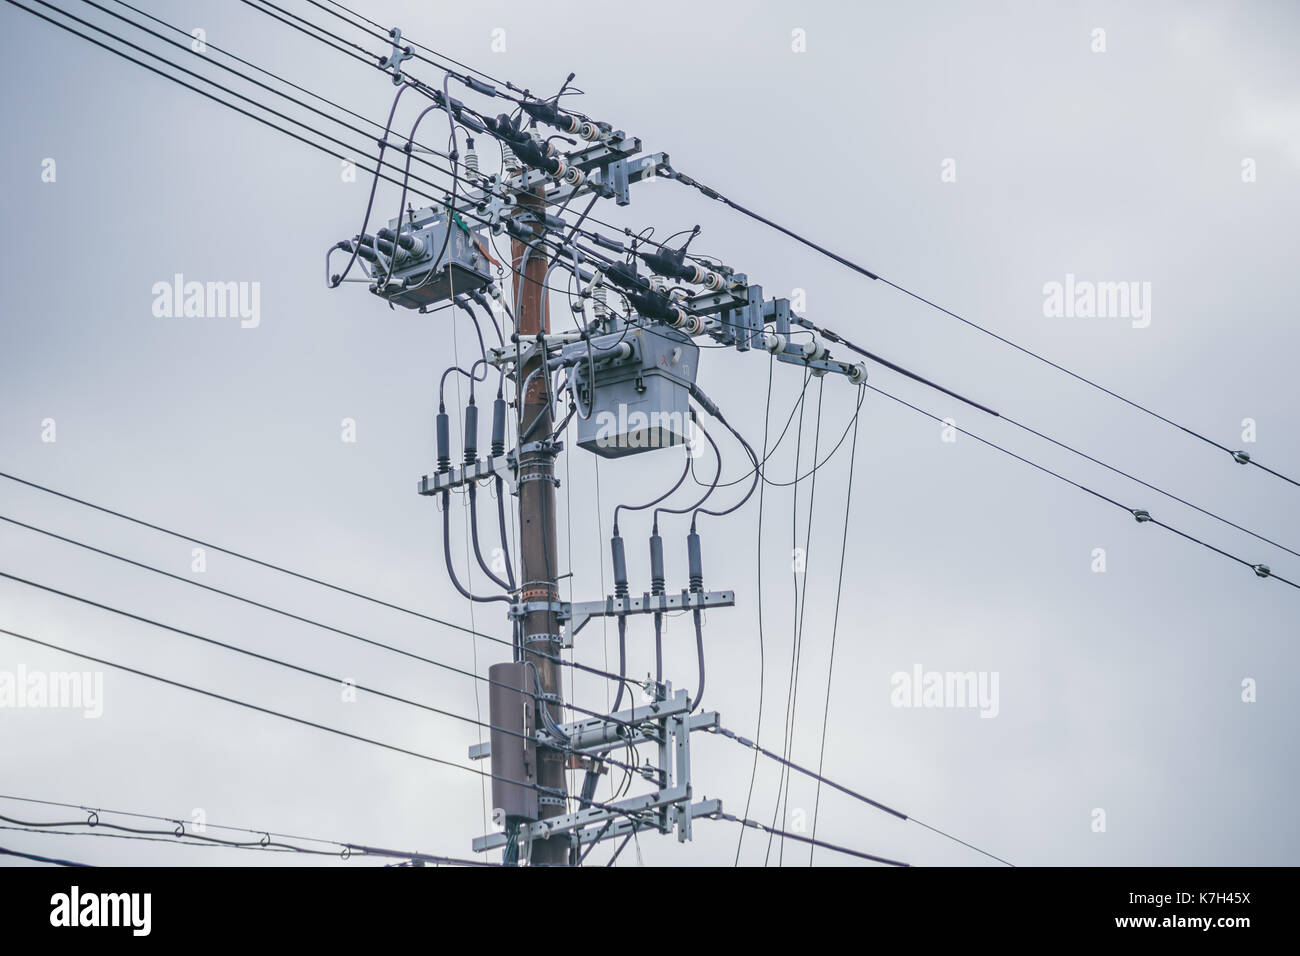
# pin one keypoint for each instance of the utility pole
(539, 556)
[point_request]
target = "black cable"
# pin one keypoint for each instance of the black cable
(364, 55)
(650, 504)
(305, 620)
(756, 471)
(236, 554)
(217, 99)
(833, 337)
(829, 455)
(254, 654)
(298, 720)
(478, 554)
(250, 706)
(486, 76)
(209, 80)
(350, 847)
(699, 656)
(803, 596)
(714, 194)
(835, 627)
(762, 654)
(794, 640)
(717, 454)
(1142, 516)
(505, 542)
(265, 72)
(803, 839)
(177, 834)
(39, 859)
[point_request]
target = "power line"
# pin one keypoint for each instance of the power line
(835, 629)
(834, 337)
(220, 86)
(1142, 516)
(861, 798)
(39, 859)
(786, 835)
(250, 706)
(1239, 456)
(308, 723)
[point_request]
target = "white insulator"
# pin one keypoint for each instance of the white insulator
(574, 176)
(690, 324)
(658, 283)
(706, 277)
(471, 161)
(563, 169)
(417, 247)
(509, 161)
(814, 348)
(858, 373)
(600, 304)
(774, 342)
(574, 124)
(589, 131)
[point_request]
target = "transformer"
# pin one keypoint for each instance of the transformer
(417, 280)
(638, 403)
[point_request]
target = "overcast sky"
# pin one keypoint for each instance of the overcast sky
(1119, 691)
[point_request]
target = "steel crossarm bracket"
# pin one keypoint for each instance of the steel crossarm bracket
(703, 808)
(554, 826)
(792, 355)
(707, 720)
(580, 613)
(502, 466)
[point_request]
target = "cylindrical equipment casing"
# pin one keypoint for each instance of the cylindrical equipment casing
(514, 748)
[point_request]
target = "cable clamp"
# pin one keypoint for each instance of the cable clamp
(394, 60)
(538, 476)
(1241, 458)
(1261, 569)
(540, 637)
(1141, 515)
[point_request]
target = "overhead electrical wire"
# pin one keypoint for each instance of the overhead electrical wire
(1239, 456)
(762, 653)
(345, 848)
(714, 194)
(1259, 569)
(297, 617)
(35, 858)
(302, 721)
(1141, 515)
(861, 798)
(835, 627)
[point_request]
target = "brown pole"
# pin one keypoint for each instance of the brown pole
(539, 558)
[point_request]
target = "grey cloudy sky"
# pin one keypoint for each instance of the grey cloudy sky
(1118, 690)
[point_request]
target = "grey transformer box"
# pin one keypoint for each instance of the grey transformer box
(428, 265)
(633, 389)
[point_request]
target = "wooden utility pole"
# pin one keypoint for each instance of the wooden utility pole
(539, 558)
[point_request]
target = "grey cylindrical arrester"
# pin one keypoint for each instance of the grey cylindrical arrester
(444, 442)
(471, 433)
(694, 561)
(656, 564)
(498, 426)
